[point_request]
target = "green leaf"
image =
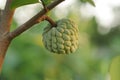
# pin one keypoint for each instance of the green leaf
(89, 1)
(18, 3)
(46, 2)
(115, 69)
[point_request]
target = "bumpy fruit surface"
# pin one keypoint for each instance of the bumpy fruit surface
(61, 39)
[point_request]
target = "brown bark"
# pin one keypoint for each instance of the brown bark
(3, 48)
(6, 16)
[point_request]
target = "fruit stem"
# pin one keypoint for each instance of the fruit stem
(53, 23)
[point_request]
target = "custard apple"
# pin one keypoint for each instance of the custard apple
(61, 39)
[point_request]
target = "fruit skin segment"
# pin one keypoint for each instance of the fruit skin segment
(61, 39)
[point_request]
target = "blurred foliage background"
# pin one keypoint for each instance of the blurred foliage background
(27, 58)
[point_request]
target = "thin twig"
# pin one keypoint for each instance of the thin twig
(44, 6)
(53, 23)
(32, 21)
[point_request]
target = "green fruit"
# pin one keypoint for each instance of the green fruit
(62, 39)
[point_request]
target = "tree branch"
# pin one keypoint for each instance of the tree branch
(0, 14)
(5, 23)
(6, 17)
(34, 20)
